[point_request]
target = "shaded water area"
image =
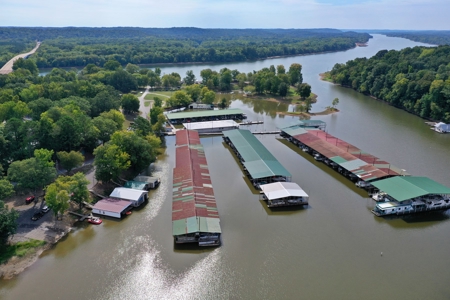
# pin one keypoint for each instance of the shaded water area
(328, 250)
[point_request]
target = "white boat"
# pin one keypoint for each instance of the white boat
(318, 157)
(379, 197)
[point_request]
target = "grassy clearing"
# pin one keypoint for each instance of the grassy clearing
(147, 103)
(160, 94)
(20, 249)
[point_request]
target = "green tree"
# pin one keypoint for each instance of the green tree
(105, 126)
(281, 69)
(142, 126)
(209, 97)
(179, 98)
(304, 90)
(283, 89)
(6, 189)
(8, 223)
(308, 105)
(157, 102)
(131, 68)
(224, 103)
(130, 103)
(112, 65)
(27, 64)
(109, 162)
(190, 78)
(123, 81)
(295, 74)
(76, 186)
(57, 198)
(335, 102)
(138, 149)
(194, 91)
(116, 116)
(70, 160)
(33, 173)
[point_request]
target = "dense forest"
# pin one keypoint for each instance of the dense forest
(66, 47)
(415, 79)
(434, 37)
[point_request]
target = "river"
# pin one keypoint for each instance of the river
(329, 250)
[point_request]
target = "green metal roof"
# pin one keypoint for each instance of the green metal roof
(311, 123)
(204, 113)
(260, 163)
(403, 188)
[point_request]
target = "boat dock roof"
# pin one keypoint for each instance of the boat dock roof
(211, 125)
(405, 188)
(279, 190)
(204, 113)
(194, 206)
(362, 164)
(260, 163)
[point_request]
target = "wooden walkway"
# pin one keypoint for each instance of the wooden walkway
(82, 217)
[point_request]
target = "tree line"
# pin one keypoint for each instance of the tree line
(60, 117)
(66, 47)
(434, 37)
(414, 79)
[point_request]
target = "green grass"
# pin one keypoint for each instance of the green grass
(147, 103)
(20, 249)
(151, 94)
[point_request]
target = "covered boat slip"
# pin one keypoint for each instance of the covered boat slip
(259, 164)
(411, 194)
(349, 160)
(206, 115)
(195, 218)
(111, 207)
(283, 194)
(212, 126)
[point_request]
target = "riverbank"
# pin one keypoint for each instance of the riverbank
(327, 111)
(45, 230)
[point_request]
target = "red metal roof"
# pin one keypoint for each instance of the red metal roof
(193, 195)
(112, 205)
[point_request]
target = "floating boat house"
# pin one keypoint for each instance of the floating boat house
(350, 161)
(195, 218)
(259, 164)
(411, 194)
(283, 194)
(206, 115)
(212, 126)
(136, 197)
(110, 207)
(151, 182)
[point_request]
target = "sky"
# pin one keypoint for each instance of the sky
(341, 14)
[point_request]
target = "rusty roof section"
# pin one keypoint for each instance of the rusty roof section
(193, 204)
(364, 165)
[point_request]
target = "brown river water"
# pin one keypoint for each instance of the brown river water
(328, 250)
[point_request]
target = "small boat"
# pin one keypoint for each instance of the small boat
(128, 213)
(95, 221)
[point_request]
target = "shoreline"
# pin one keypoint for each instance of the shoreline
(209, 62)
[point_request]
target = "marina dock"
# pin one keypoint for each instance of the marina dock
(259, 165)
(195, 218)
(350, 161)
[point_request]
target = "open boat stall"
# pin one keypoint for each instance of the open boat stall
(283, 194)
